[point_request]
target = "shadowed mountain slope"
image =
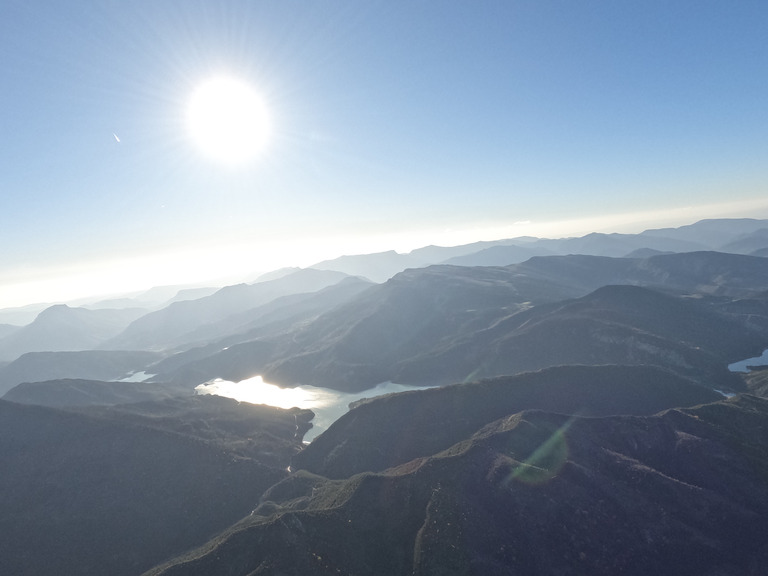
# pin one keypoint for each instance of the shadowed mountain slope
(757, 381)
(445, 324)
(273, 317)
(8, 329)
(270, 320)
(389, 430)
(87, 364)
(684, 492)
(61, 328)
(267, 434)
(115, 493)
(613, 325)
(748, 243)
(161, 329)
(714, 273)
(410, 315)
(354, 344)
(79, 392)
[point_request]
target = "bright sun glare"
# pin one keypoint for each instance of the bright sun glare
(228, 120)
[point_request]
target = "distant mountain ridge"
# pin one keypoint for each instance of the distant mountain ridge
(280, 311)
(714, 233)
(739, 235)
(170, 325)
(157, 329)
(376, 267)
(444, 324)
(61, 328)
(439, 324)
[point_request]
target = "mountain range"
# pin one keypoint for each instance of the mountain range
(62, 328)
(576, 415)
(740, 236)
(444, 324)
(169, 317)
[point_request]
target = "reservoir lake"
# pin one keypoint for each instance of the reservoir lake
(328, 405)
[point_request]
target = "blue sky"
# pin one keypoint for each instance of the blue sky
(394, 125)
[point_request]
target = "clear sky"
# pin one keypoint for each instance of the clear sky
(392, 125)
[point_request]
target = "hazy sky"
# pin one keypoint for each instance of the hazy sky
(394, 124)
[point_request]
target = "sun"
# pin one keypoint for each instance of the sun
(228, 120)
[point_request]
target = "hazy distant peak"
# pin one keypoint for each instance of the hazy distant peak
(64, 311)
(276, 274)
(377, 267)
(54, 309)
(645, 253)
(712, 233)
(63, 328)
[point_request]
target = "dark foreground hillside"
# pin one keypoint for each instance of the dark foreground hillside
(390, 430)
(684, 492)
(116, 491)
(88, 364)
(77, 392)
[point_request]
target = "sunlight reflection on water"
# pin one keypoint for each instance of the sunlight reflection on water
(328, 405)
